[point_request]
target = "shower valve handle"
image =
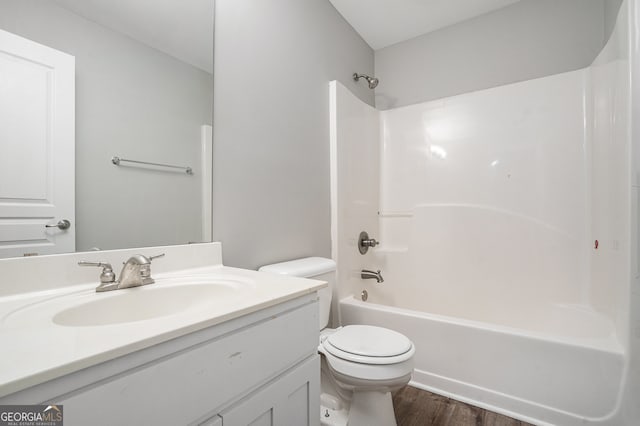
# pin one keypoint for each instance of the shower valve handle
(364, 242)
(371, 242)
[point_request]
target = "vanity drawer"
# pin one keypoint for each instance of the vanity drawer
(183, 387)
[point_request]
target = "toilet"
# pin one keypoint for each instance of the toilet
(361, 364)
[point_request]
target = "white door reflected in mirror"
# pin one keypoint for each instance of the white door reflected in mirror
(37, 153)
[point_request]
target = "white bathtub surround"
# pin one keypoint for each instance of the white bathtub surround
(490, 206)
(630, 409)
(610, 177)
(355, 173)
(50, 303)
(484, 196)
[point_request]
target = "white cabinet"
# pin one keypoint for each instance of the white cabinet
(262, 368)
(291, 399)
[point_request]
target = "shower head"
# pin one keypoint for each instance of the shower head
(373, 82)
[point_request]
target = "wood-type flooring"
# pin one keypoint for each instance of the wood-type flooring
(416, 407)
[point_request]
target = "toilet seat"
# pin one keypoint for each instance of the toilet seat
(368, 371)
(366, 344)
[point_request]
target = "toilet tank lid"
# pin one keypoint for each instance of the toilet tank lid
(306, 267)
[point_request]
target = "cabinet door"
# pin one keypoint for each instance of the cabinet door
(291, 399)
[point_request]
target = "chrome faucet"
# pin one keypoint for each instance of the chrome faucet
(135, 272)
(366, 274)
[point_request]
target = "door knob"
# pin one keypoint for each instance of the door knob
(63, 224)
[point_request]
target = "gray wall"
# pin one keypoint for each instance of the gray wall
(529, 39)
(611, 9)
(131, 100)
(273, 62)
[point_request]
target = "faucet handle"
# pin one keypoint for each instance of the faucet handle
(145, 269)
(156, 256)
(141, 259)
(107, 276)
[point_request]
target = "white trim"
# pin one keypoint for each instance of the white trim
(206, 143)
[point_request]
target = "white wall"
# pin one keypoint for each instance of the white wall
(611, 9)
(529, 39)
(355, 173)
(132, 101)
(273, 63)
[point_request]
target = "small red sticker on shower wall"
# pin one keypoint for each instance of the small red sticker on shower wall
(595, 245)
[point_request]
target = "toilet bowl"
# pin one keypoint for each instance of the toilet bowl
(361, 364)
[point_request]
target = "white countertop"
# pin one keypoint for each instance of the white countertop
(35, 349)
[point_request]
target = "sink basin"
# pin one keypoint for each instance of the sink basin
(184, 296)
(143, 303)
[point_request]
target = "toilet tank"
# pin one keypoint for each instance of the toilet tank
(317, 268)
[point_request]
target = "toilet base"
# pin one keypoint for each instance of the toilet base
(355, 402)
(371, 409)
(365, 409)
(333, 417)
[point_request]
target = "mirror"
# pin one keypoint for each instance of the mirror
(143, 92)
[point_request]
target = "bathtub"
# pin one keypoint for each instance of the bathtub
(559, 365)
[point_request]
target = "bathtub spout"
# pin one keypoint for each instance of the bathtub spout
(366, 274)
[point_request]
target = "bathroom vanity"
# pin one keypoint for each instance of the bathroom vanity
(205, 345)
